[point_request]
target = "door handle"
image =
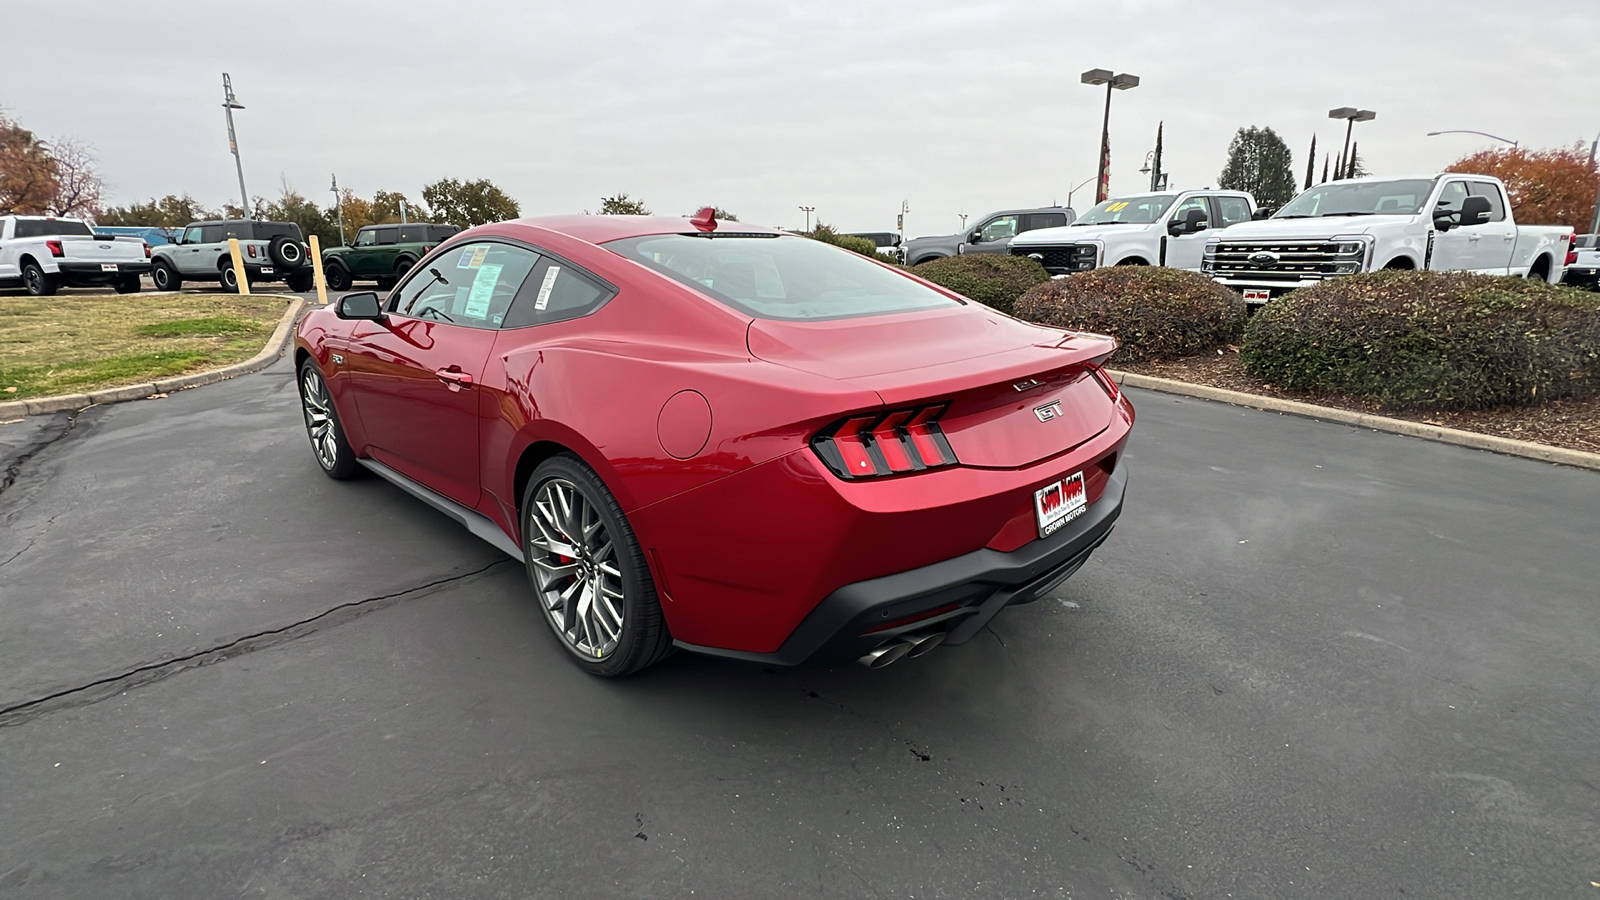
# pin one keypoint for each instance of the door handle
(454, 378)
(1474, 238)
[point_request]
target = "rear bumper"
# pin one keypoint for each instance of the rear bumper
(958, 595)
(78, 273)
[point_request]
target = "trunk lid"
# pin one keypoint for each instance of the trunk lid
(1016, 393)
(101, 248)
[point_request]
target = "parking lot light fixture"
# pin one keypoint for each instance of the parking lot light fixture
(229, 104)
(1470, 131)
(1120, 82)
(808, 210)
(1351, 116)
(338, 204)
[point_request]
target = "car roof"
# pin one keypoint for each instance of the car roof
(602, 229)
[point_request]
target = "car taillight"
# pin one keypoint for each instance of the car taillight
(55, 248)
(146, 251)
(1107, 383)
(881, 444)
(251, 249)
(1572, 249)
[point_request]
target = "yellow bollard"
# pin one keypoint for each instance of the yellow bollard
(316, 267)
(238, 266)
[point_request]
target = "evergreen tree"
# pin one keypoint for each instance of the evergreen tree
(1324, 169)
(1311, 162)
(1155, 166)
(1354, 168)
(1259, 162)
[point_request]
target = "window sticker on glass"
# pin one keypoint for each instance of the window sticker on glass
(549, 283)
(474, 259)
(482, 290)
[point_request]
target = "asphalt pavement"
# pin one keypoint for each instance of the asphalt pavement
(1312, 661)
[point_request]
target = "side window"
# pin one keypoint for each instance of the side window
(555, 292)
(240, 230)
(1452, 195)
(367, 237)
(1034, 221)
(442, 232)
(1195, 202)
(471, 285)
(1233, 210)
(387, 235)
(212, 234)
(1497, 205)
(193, 235)
(999, 228)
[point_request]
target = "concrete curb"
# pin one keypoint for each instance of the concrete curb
(269, 354)
(1492, 443)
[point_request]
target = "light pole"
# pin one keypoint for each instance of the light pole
(1594, 223)
(1121, 82)
(1470, 131)
(963, 221)
(1071, 191)
(338, 204)
(229, 104)
(808, 210)
(1351, 115)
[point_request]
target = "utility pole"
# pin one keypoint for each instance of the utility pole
(1351, 116)
(338, 204)
(808, 210)
(229, 104)
(1594, 222)
(1121, 82)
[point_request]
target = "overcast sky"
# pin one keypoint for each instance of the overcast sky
(850, 107)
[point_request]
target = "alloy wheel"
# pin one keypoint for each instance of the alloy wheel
(318, 410)
(576, 569)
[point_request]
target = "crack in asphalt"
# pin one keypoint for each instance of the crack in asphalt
(14, 467)
(148, 673)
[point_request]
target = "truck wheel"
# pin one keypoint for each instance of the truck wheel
(127, 284)
(38, 282)
(229, 279)
(402, 267)
(301, 282)
(165, 277)
(338, 277)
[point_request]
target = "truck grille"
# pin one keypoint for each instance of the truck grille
(1289, 261)
(1061, 259)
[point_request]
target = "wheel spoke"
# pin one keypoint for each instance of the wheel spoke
(576, 569)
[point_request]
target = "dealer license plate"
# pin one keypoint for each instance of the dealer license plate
(108, 267)
(266, 270)
(1057, 504)
(1257, 295)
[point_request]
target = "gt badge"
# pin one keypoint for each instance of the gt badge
(1048, 411)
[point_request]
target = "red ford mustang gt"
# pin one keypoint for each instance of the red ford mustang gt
(724, 438)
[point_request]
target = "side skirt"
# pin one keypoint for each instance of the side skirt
(477, 523)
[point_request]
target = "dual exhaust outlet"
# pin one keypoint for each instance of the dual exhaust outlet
(901, 648)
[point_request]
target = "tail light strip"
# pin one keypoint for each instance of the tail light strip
(877, 445)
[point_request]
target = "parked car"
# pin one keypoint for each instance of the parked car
(887, 242)
(991, 235)
(760, 446)
(1169, 228)
(153, 235)
(1584, 268)
(272, 251)
(1448, 222)
(42, 253)
(381, 253)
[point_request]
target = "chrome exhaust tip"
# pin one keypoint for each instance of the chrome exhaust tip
(884, 655)
(922, 643)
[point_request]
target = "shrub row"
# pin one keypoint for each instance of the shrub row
(1155, 313)
(989, 278)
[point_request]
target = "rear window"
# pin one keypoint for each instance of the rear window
(29, 228)
(266, 231)
(780, 277)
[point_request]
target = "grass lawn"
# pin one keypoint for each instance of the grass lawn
(74, 343)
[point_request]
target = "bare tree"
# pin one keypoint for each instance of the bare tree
(78, 186)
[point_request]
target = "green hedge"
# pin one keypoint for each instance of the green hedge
(1155, 313)
(1431, 340)
(989, 278)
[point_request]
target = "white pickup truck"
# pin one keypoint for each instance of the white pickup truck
(42, 253)
(1447, 222)
(1161, 229)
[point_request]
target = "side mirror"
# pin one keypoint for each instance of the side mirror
(973, 237)
(1192, 222)
(1475, 210)
(364, 305)
(1260, 214)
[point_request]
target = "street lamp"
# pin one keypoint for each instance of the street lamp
(338, 204)
(1121, 82)
(1470, 131)
(1351, 115)
(1594, 223)
(808, 210)
(1070, 191)
(229, 104)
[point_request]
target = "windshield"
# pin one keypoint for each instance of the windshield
(780, 277)
(27, 228)
(1128, 211)
(1365, 198)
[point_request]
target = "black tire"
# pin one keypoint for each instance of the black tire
(286, 252)
(402, 266)
(229, 279)
(1133, 261)
(127, 284)
(301, 282)
(165, 276)
(328, 444)
(38, 282)
(642, 638)
(338, 277)
(385, 283)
